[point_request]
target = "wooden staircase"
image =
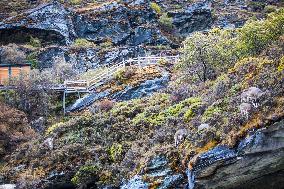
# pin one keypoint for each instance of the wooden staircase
(109, 72)
(85, 86)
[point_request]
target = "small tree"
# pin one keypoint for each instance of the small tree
(166, 21)
(206, 55)
(62, 70)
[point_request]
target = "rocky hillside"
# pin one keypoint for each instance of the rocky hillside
(213, 119)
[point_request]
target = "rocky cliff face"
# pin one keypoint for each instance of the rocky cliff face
(131, 24)
(257, 162)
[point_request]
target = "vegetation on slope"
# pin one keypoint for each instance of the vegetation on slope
(108, 144)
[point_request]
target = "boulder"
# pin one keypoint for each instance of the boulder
(157, 174)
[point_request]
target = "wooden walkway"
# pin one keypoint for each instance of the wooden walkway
(108, 72)
(85, 86)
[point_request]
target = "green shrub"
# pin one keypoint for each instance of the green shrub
(35, 42)
(166, 21)
(270, 8)
(32, 59)
(156, 7)
(281, 65)
(115, 152)
(210, 112)
(254, 36)
(207, 55)
(84, 174)
(75, 2)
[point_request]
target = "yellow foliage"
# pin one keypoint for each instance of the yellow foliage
(207, 147)
(53, 127)
(281, 65)
(253, 123)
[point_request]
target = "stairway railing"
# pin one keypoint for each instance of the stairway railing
(84, 85)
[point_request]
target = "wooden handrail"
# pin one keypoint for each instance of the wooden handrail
(112, 69)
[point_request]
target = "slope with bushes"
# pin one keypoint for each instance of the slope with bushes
(113, 141)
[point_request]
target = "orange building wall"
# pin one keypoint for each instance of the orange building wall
(4, 74)
(15, 71)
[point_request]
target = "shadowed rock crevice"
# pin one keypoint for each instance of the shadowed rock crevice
(22, 35)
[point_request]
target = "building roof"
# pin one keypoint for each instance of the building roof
(15, 65)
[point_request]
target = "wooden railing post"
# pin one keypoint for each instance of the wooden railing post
(139, 62)
(64, 106)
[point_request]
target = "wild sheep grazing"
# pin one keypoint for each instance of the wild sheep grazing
(245, 109)
(251, 95)
(180, 136)
(203, 126)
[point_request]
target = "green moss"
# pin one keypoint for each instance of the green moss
(80, 42)
(166, 21)
(235, 88)
(128, 109)
(158, 118)
(75, 2)
(119, 75)
(210, 112)
(188, 115)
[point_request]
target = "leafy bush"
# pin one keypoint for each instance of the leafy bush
(32, 59)
(35, 42)
(207, 55)
(254, 36)
(11, 54)
(115, 152)
(166, 21)
(156, 7)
